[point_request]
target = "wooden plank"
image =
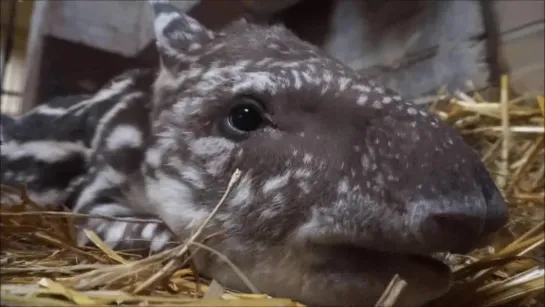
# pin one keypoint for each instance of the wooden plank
(19, 35)
(13, 82)
(108, 25)
(526, 59)
(24, 13)
(118, 26)
(513, 15)
(522, 38)
(68, 74)
(38, 26)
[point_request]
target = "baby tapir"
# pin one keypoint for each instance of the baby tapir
(343, 185)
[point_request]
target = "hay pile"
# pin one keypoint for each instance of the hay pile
(41, 265)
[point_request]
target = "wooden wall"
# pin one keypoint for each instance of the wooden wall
(522, 27)
(13, 83)
(414, 47)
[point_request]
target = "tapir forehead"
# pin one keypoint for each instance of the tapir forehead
(254, 43)
(257, 38)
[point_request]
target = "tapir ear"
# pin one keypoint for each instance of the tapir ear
(179, 37)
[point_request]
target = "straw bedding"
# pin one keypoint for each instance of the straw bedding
(40, 264)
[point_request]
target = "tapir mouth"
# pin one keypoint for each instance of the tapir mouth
(437, 259)
(428, 275)
(430, 258)
(434, 260)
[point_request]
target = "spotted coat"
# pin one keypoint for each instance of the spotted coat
(344, 183)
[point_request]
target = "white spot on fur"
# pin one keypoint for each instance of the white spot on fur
(307, 158)
(362, 88)
(365, 163)
(305, 186)
(377, 104)
(309, 79)
(112, 90)
(276, 182)
(182, 108)
(149, 231)
(104, 179)
(264, 61)
(47, 110)
(194, 71)
(111, 114)
(327, 76)
(343, 83)
(215, 150)
(115, 232)
(309, 229)
(302, 173)
(210, 146)
(52, 197)
(243, 193)
(193, 176)
(46, 151)
(154, 156)
(379, 179)
(256, 81)
(160, 241)
(297, 79)
(109, 209)
(194, 25)
(343, 187)
(174, 203)
(362, 100)
(9, 175)
(124, 136)
(161, 22)
(274, 208)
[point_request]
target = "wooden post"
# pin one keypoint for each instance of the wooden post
(33, 62)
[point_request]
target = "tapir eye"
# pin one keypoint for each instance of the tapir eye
(245, 116)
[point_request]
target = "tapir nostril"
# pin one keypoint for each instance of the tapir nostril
(457, 232)
(497, 214)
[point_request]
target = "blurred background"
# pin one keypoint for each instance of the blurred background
(52, 48)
